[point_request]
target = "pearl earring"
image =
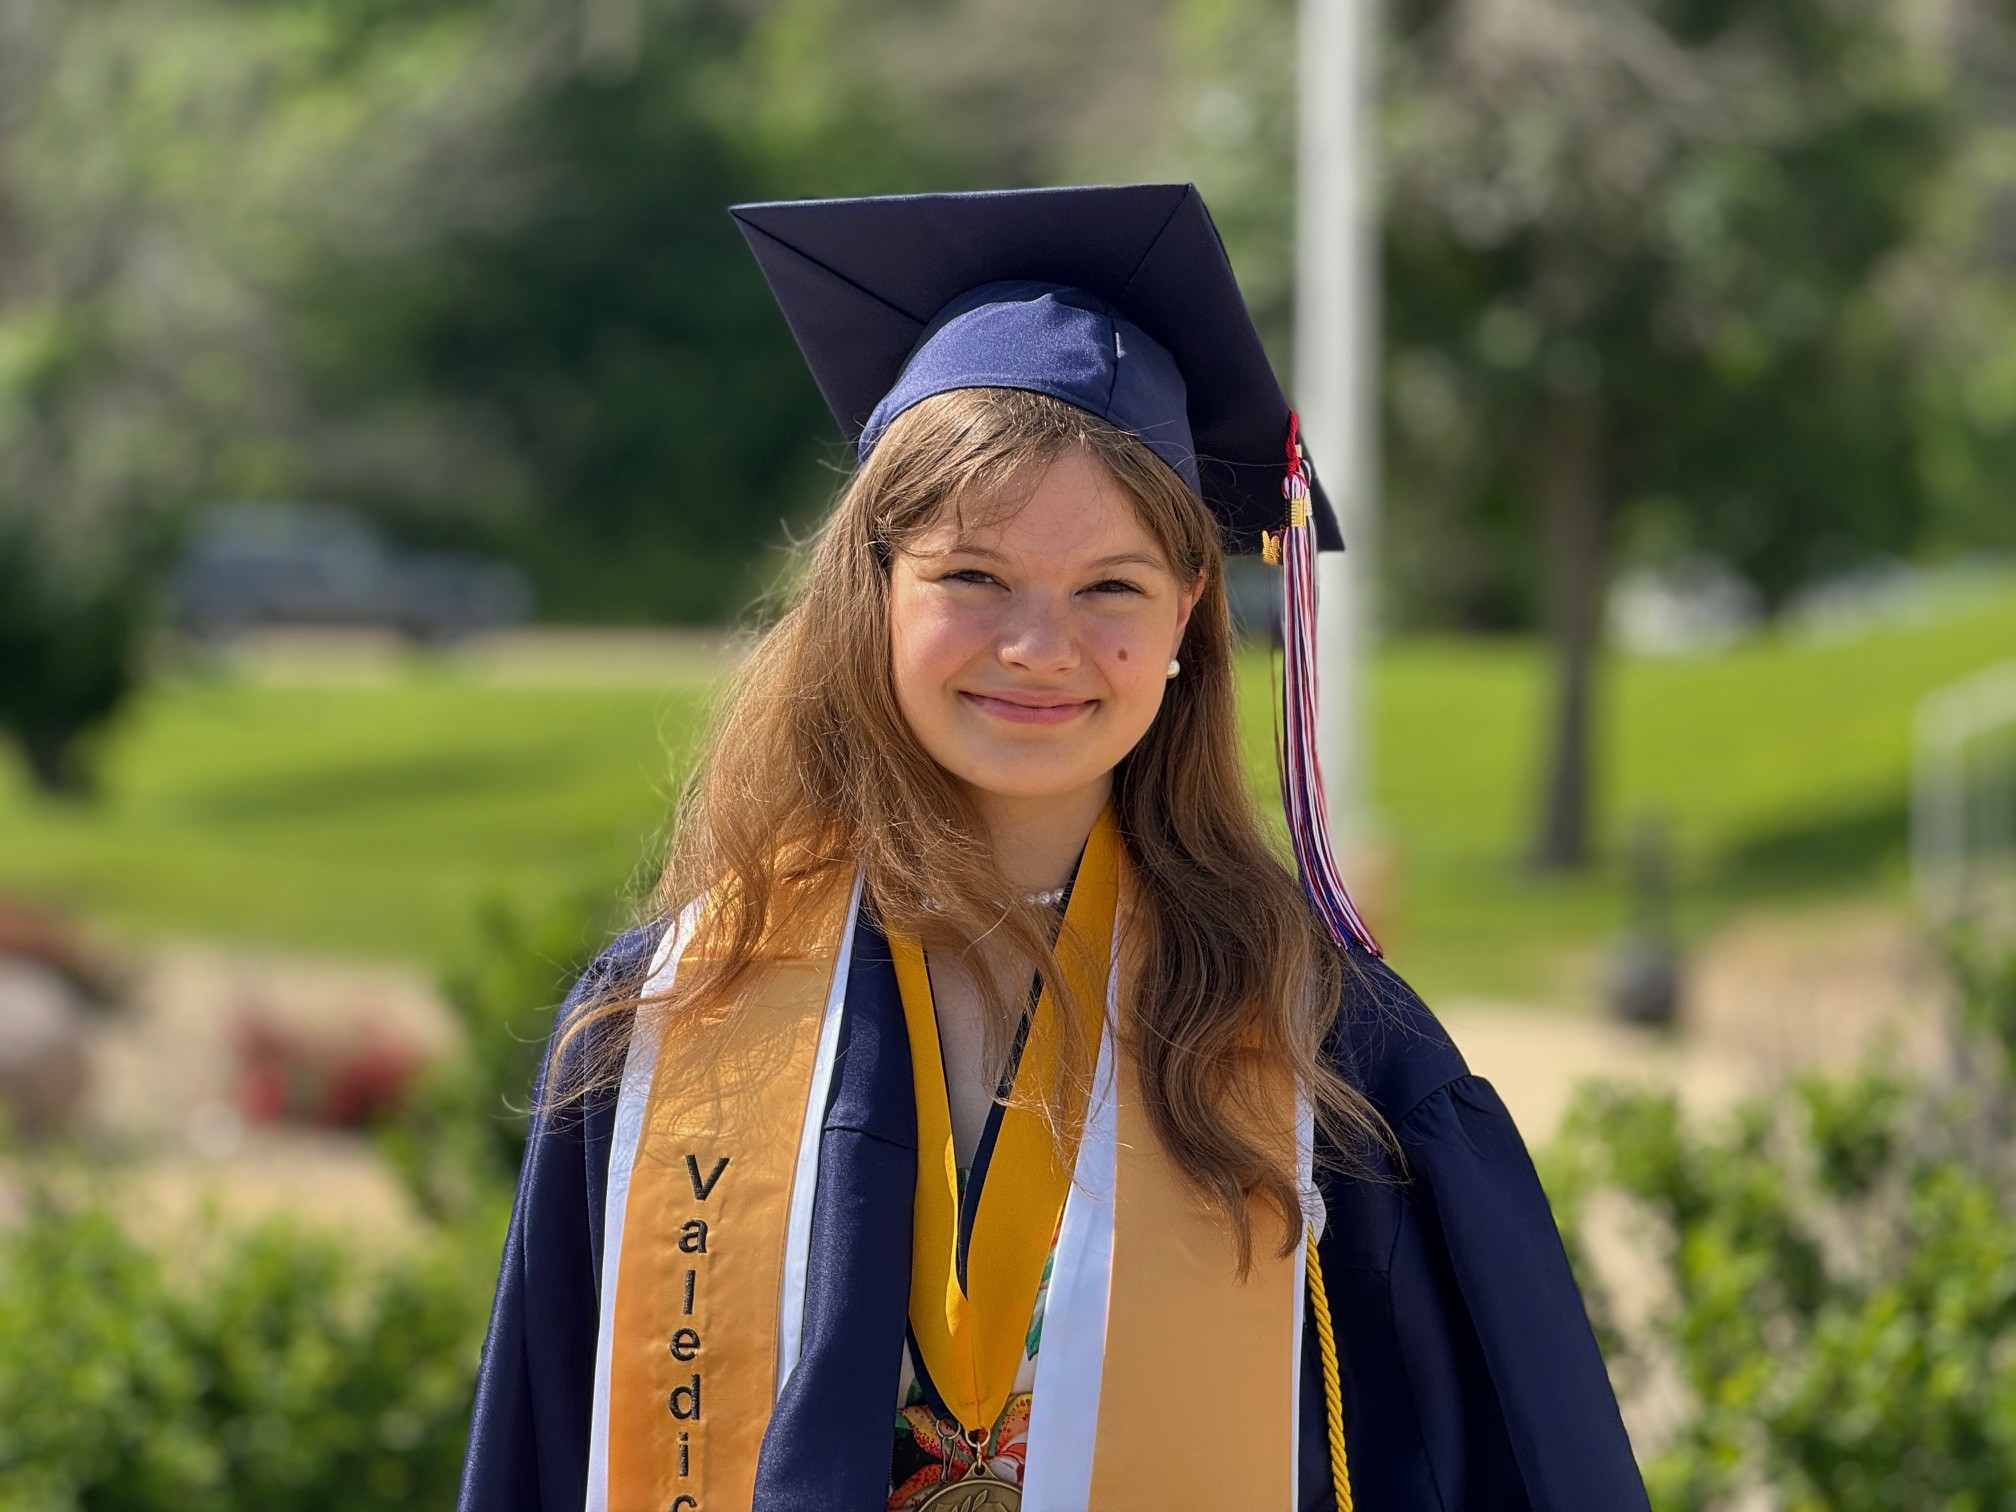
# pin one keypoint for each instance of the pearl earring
(1175, 666)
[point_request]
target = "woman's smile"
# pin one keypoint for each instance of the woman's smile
(1028, 708)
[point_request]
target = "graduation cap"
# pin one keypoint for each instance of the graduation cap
(1119, 300)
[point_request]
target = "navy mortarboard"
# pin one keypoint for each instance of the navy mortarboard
(1119, 300)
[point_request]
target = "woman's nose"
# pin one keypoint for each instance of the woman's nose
(1040, 641)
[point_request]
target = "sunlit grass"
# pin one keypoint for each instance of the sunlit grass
(371, 818)
(1780, 771)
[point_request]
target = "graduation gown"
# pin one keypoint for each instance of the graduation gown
(1471, 1378)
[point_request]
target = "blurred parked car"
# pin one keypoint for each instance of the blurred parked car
(250, 566)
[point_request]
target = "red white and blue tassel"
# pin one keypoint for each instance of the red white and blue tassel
(1294, 547)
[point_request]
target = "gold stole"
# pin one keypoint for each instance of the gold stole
(1199, 1386)
(1200, 1370)
(693, 1372)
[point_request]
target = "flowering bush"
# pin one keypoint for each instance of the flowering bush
(346, 1083)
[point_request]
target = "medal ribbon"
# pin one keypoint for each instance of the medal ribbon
(971, 1338)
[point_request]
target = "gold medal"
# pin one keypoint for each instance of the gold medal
(976, 1493)
(979, 1490)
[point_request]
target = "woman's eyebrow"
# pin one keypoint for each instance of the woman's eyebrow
(1118, 559)
(1130, 558)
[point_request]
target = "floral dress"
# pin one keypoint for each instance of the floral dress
(931, 1450)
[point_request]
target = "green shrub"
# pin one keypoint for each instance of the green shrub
(460, 1142)
(1833, 1284)
(265, 1369)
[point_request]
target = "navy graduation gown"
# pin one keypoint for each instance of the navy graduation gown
(1471, 1378)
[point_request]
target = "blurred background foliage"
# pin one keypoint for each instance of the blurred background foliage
(1662, 280)
(236, 1365)
(1729, 275)
(461, 1136)
(240, 1369)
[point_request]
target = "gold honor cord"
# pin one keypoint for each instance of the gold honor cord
(971, 1338)
(1333, 1387)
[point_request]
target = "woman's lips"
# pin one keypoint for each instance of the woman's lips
(1016, 712)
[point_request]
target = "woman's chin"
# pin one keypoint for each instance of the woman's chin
(1019, 785)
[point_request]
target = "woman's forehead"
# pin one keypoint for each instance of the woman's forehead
(1073, 514)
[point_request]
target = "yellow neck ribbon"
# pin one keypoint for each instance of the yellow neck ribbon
(971, 1336)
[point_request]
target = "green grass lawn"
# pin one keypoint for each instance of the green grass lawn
(1780, 770)
(378, 818)
(372, 818)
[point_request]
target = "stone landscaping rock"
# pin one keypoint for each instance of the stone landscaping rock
(44, 1019)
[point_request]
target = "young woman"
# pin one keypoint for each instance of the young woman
(988, 1119)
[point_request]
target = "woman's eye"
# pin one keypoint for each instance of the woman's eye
(969, 575)
(1113, 585)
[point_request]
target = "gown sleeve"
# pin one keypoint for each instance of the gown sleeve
(1454, 1280)
(528, 1435)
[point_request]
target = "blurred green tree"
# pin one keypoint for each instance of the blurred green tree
(92, 437)
(69, 650)
(535, 326)
(145, 352)
(1643, 268)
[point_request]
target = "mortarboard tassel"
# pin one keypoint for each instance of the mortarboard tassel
(1294, 547)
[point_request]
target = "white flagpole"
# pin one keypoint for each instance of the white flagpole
(1336, 375)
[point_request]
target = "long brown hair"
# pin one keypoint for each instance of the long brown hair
(810, 771)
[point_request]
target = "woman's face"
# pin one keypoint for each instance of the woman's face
(1030, 654)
